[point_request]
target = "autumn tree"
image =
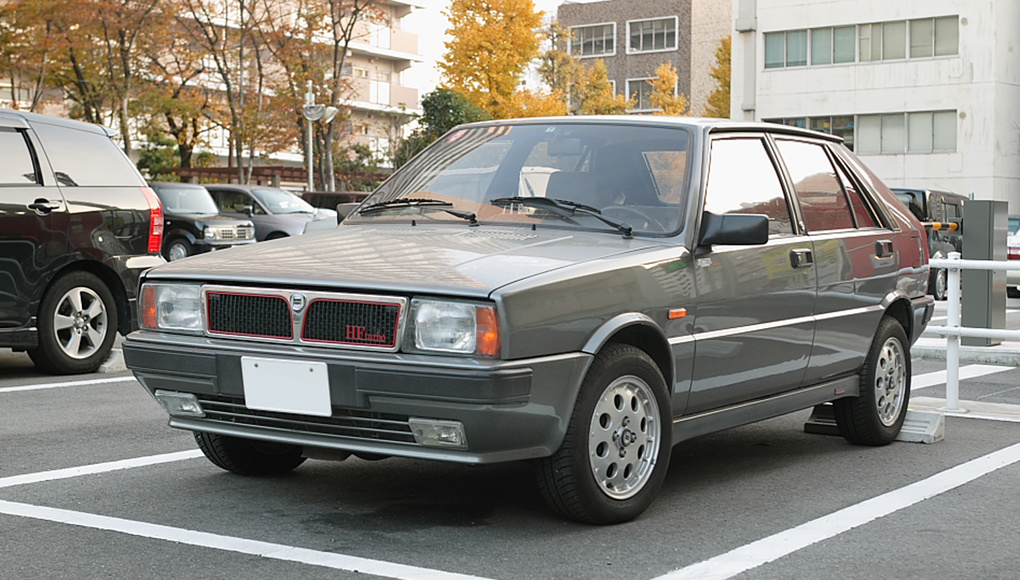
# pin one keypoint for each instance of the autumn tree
(719, 99)
(24, 59)
(664, 96)
(442, 110)
(492, 44)
(596, 96)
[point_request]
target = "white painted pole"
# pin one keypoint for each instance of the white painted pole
(310, 100)
(953, 340)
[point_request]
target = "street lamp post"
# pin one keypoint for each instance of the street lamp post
(312, 113)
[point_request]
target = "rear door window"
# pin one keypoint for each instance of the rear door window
(824, 203)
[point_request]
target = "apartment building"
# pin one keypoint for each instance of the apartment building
(634, 37)
(927, 92)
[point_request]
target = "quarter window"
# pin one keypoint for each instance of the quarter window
(18, 167)
(652, 35)
(596, 40)
(85, 158)
(743, 179)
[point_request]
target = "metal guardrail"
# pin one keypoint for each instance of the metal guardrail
(952, 330)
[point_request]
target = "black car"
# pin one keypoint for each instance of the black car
(946, 209)
(193, 224)
(78, 226)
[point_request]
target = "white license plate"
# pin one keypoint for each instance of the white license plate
(286, 386)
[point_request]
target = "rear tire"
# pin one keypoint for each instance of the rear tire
(77, 325)
(248, 456)
(876, 415)
(616, 450)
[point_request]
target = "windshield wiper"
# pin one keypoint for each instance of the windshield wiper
(402, 203)
(564, 207)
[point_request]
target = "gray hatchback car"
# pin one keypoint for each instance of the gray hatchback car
(276, 213)
(583, 292)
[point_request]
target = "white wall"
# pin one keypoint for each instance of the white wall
(982, 83)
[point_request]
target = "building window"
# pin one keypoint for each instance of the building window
(379, 88)
(595, 40)
(833, 45)
(934, 37)
(641, 91)
(786, 48)
(915, 132)
(652, 35)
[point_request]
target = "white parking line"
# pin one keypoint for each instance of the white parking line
(784, 543)
(229, 543)
(918, 382)
(42, 386)
(97, 468)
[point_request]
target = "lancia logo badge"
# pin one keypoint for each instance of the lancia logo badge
(297, 302)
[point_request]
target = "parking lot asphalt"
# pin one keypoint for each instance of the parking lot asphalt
(93, 484)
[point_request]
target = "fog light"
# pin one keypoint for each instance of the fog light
(433, 433)
(180, 404)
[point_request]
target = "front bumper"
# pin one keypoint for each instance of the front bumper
(203, 245)
(509, 410)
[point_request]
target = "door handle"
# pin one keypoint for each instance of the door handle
(801, 258)
(883, 248)
(43, 206)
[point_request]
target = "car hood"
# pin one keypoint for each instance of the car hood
(209, 218)
(458, 260)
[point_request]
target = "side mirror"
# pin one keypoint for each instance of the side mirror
(248, 210)
(734, 229)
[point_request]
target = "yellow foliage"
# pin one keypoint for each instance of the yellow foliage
(664, 96)
(596, 94)
(719, 99)
(492, 42)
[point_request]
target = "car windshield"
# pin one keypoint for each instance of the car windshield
(187, 200)
(280, 201)
(583, 175)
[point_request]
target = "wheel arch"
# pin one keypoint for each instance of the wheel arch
(179, 233)
(639, 331)
(106, 274)
(898, 307)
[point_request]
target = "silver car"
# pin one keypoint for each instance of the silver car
(276, 213)
(583, 292)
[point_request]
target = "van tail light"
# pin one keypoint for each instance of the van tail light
(155, 220)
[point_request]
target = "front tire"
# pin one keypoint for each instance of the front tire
(77, 325)
(616, 449)
(876, 415)
(178, 249)
(247, 456)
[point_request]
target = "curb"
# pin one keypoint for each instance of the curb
(970, 354)
(114, 363)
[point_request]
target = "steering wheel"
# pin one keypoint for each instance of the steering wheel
(625, 210)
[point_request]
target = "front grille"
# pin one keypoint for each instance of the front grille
(249, 315)
(352, 323)
(345, 423)
(233, 233)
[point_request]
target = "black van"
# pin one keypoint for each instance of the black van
(78, 226)
(194, 224)
(930, 205)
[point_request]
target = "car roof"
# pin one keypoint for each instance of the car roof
(177, 184)
(702, 125)
(57, 121)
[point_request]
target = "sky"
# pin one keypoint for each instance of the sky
(430, 25)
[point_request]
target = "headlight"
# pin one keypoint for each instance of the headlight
(172, 307)
(455, 327)
(209, 233)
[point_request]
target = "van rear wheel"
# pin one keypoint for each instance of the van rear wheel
(77, 325)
